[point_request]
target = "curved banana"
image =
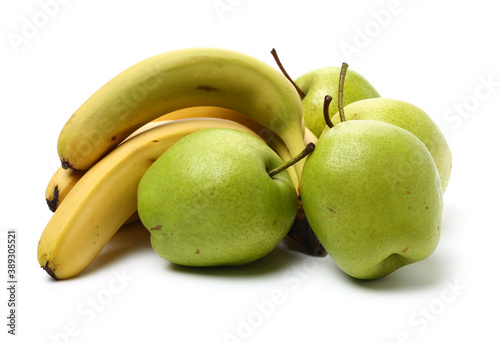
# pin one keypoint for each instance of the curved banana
(212, 112)
(59, 186)
(61, 183)
(105, 197)
(216, 112)
(179, 79)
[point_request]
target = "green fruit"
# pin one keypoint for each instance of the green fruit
(209, 201)
(408, 117)
(325, 81)
(372, 195)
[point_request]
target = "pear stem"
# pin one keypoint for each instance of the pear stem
(309, 148)
(343, 72)
(278, 62)
(326, 112)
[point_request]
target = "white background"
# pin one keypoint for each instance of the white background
(437, 55)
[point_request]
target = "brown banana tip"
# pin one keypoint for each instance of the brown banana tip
(55, 197)
(49, 271)
(317, 248)
(52, 204)
(302, 233)
(65, 164)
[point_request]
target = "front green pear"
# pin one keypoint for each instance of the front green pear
(408, 117)
(209, 201)
(325, 81)
(372, 195)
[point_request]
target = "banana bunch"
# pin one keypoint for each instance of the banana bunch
(116, 135)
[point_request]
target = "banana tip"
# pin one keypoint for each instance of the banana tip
(49, 270)
(65, 164)
(52, 203)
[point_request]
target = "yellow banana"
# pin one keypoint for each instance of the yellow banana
(61, 183)
(212, 112)
(59, 186)
(310, 137)
(175, 80)
(102, 200)
(144, 128)
(216, 112)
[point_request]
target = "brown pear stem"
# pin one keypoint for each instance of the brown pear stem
(326, 110)
(309, 148)
(343, 72)
(278, 62)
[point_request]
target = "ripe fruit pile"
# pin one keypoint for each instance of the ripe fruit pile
(207, 148)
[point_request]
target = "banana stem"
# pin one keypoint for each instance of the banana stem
(343, 72)
(309, 148)
(278, 62)
(326, 112)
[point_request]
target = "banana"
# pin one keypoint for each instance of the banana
(59, 186)
(178, 79)
(102, 200)
(216, 112)
(212, 112)
(309, 136)
(144, 128)
(61, 183)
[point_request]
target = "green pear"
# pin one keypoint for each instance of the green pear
(320, 82)
(372, 195)
(209, 200)
(408, 117)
